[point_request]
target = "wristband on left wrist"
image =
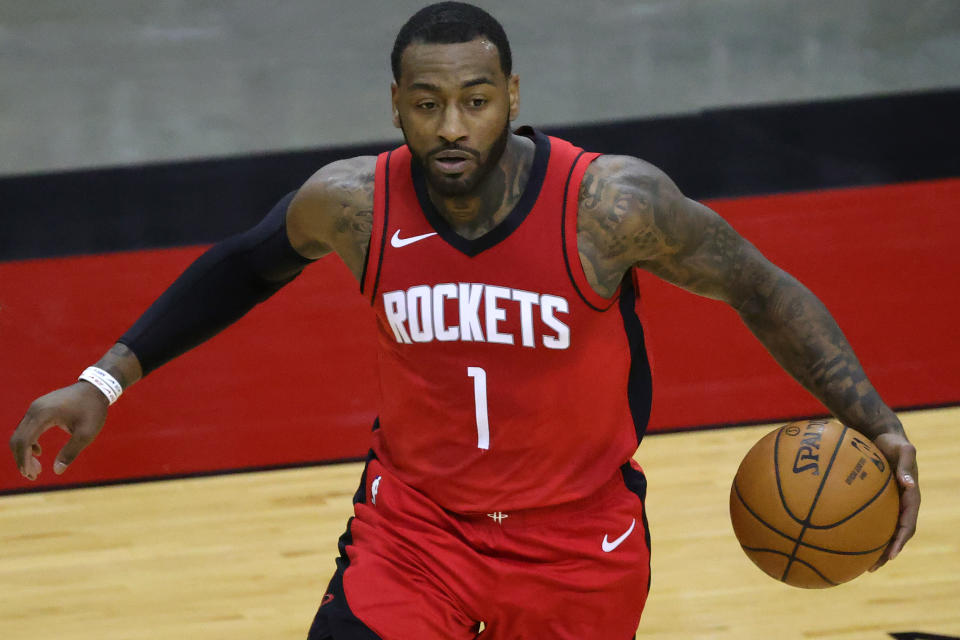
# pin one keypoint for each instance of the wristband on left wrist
(102, 380)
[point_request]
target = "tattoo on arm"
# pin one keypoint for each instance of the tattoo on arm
(803, 337)
(619, 222)
(353, 221)
(591, 189)
(334, 212)
(632, 215)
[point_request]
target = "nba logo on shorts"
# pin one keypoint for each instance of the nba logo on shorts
(374, 488)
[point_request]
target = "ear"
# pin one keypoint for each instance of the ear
(513, 87)
(393, 103)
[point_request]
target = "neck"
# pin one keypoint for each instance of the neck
(474, 214)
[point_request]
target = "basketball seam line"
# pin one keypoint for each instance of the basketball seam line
(803, 562)
(813, 505)
(792, 539)
(830, 525)
(776, 474)
(786, 507)
(861, 508)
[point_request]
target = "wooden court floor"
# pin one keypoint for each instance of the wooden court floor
(248, 555)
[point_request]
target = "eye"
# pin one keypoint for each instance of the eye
(426, 105)
(478, 101)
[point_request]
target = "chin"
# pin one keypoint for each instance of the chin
(451, 187)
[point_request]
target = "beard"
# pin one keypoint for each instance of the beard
(460, 184)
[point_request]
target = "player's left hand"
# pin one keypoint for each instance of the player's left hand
(902, 456)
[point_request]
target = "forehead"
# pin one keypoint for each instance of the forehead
(443, 64)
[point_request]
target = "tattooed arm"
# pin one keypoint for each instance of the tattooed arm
(632, 214)
(331, 212)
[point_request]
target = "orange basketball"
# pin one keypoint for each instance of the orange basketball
(814, 503)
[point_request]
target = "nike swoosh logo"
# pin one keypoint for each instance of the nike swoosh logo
(397, 241)
(610, 546)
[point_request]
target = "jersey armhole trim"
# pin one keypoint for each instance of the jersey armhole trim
(370, 279)
(568, 237)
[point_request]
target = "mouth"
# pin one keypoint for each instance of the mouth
(452, 162)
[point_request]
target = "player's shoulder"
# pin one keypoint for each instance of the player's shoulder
(350, 178)
(625, 186)
(626, 171)
(626, 214)
(334, 210)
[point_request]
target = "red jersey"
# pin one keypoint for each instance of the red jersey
(506, 382)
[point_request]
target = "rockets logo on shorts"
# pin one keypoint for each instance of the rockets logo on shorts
(423, 314)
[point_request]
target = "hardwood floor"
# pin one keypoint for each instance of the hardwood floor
(249, 555)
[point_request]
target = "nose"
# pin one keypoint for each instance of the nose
(453, 125)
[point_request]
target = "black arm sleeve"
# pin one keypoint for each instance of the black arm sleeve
(216, 290)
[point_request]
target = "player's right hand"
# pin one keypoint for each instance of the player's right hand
(80, 410)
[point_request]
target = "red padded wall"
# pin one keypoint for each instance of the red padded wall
(883, 261)
(295, 380)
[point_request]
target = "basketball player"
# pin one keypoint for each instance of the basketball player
(514, 384)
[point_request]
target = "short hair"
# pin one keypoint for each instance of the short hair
(451, 23)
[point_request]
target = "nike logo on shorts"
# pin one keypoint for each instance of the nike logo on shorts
(397, 241)
(609, 546)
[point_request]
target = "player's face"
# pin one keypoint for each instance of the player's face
(454, 105)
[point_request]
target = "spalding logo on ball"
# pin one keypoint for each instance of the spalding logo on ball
(814, 503)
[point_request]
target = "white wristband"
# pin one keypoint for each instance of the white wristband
(103, 381)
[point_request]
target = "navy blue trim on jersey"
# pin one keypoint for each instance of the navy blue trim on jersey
(508, 225)
(563, 240)
(383, 237)
(636, 482)
(335, 620)
(639, 381)
(646, 537)
(563, 233)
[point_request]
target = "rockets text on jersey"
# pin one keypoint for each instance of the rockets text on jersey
(422, 313)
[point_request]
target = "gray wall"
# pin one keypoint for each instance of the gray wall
(107, 82)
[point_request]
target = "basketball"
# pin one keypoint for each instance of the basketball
(814, 504)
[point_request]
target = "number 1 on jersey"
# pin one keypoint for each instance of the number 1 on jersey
(480, 401)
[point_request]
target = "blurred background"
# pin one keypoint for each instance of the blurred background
(134, 133)
(117, 82)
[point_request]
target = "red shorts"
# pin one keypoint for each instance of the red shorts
(410, 569)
